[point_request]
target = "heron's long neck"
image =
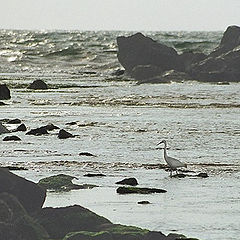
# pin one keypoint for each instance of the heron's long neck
(165, 150)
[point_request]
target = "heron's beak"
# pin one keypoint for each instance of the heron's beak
(160, 142)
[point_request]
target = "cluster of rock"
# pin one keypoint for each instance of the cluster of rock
(151, 62)
(44, 130)
(22, 216)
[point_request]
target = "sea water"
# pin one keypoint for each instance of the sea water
(121, 123)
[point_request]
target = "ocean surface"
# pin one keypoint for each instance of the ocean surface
(121, 123)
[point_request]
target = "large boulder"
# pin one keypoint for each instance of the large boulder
(141, 50)
(60, 221)
(230, 40)
(219, 69)
(29, 194)
(4, 92)
(15, 222)
(222, 65)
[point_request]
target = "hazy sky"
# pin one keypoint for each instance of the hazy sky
(119, 14)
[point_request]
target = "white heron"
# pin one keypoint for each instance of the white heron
(173, 163)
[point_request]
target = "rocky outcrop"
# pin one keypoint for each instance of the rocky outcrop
(230, 40)
(141, 50)
(38, 85)
(4, 92)
(30, 195)
(16, 223)
(23, 218)
(60, 221)
(147, 61)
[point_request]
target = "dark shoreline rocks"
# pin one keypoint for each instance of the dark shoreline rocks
(38, 85)
(23, 218)
(62, 182)
(128, 181)
(146, 60)
(4, 92)
(136, 190)
(29, 194)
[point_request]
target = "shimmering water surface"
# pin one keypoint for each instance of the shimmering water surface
(121, 123)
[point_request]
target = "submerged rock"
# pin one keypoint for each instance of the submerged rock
(94, 175)
(12, 138)
(29, 194)
(128, 181)
(4, 92)
(64, 134)
(38, 131)
(62, 182)
(21, 128)
(143, 202)
(14, 121)
(86, 154)
(129, 190)
(38, 85)
(50, 127)
(58, 222)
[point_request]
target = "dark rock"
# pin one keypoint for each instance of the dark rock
(14, 121)
(38, 85)
(64, 134)
(60, 221)
(50, 127)
(143, 72)
(4, 92)
(128, 181)
(3, 129)
(71, 123)
(15, 168)
(86, 154)
(21, 128)
(29, 194)
(143, 202)
(38, 131)
(202, 175)
(62, 182)
(230, 40)
(129, 190)
(15, 222)
(153, 235)
(94, 175)
(190, 58)
(12, 138)
(2, 104)
(140, 50)
(222, 65)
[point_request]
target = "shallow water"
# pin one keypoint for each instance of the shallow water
(121, 123)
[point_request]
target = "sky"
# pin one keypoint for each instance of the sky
(145, 15)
